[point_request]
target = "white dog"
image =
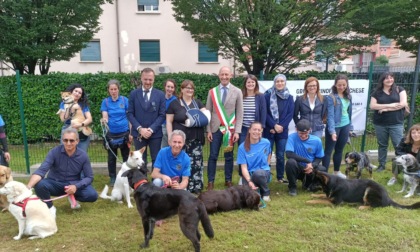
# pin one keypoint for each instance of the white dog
(121, 188)
(411, 168)
(33, 216)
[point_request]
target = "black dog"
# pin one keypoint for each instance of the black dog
(363, 191)
(155, 203)
(235, 197)
(358, 160)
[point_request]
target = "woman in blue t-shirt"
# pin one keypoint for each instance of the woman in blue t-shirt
(253, 157)
(79, 95)
(114, 114)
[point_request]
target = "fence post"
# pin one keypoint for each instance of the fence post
(22, 121)
(362, 149)
(414, 90)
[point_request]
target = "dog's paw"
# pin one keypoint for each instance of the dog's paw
(130, 206)
(17, 237)
(400, 191)
(408, 195)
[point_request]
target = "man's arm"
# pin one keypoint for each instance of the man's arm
(156, 174)
(33, 181)
(292, 155)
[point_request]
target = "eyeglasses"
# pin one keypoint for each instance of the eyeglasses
(69, 140)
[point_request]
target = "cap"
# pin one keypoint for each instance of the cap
(303, 125)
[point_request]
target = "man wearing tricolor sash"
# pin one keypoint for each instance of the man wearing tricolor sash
(225, 103)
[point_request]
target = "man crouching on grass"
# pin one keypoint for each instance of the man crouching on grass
(65, 165)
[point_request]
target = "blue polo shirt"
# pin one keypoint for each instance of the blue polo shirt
(117, 114)
(257, 157)
(310, 148)
(173, 166)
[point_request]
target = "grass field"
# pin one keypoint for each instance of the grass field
(286, 224)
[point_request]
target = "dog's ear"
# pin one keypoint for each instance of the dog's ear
(142, 150)
(8, 173)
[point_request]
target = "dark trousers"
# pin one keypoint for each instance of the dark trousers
(294, 171)
(337, 146)
(152, 143)
(261, 179)
(46, 188)
(112, 159)
(214, 154)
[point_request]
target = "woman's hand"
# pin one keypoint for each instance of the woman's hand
(334, 137)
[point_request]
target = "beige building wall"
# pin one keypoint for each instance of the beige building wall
(120, 43)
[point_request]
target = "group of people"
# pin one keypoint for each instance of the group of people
(257, 122)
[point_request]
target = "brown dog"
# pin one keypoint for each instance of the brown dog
(233, 198)
(5, 176)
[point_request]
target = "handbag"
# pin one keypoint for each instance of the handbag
(116, 140)
(196, 117)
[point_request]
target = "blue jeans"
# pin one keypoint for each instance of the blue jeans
(280, 149)
(383, 133)
(214, 154)
(317, 133)
(337, 146)
(261, 179)
(242, 138)
(46, 188)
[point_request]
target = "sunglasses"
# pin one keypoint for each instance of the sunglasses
(69, 140)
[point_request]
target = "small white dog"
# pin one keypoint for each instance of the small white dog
(121, 187)
(33, 216)
(411, 168)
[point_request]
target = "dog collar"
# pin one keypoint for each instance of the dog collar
(23, 203)
(140, 183)
(131, 167)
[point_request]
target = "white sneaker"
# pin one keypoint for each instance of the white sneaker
(266, 198)
(341, 175)
(392, 181)
(53, 211)
(240, 181)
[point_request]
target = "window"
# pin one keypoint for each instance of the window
(206, 54)
(150, 50)
(92, 51)
(148, 5)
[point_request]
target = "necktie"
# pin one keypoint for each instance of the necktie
(224, 94)
(146, 99)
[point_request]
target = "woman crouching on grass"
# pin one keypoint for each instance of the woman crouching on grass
(253, 157)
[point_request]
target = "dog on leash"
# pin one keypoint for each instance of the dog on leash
(73, 110)
(358, 161)
(121, 188)
(232, 198)
(5, 176)
(155, 203)
(411, 168)
(33, 216)
(363, 191)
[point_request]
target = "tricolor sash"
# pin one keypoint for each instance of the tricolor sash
(227, 126)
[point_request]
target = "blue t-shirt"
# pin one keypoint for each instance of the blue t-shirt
(257, 157)
(84, 110)
(117, 114)
(310, 148)
(168, 102)
(345, 120)
(1, 121)
(173, 166)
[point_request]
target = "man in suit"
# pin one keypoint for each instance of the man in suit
(146, 113)
(225, 104)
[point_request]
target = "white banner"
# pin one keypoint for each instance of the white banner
(358, 90)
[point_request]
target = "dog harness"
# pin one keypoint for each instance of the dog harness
(139, 183)
(23, 203)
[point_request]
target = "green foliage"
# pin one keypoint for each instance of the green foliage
(381, 60)
(39, 32)
(267, 35)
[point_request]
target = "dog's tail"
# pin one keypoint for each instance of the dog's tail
(104, 193)
(205, 220)
(413, 206)
(373, 167)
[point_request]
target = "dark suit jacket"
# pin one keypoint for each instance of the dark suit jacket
(147, 115)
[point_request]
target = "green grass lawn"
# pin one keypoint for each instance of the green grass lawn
(287, 224)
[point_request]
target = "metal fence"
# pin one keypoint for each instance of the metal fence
(38, 150)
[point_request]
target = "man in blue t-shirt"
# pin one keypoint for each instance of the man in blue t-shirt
(172, 166)
(304, 153)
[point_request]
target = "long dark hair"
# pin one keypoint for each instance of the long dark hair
(346, 93)
(83, 101)
(381, 79)
(247, 143)
(257, 86)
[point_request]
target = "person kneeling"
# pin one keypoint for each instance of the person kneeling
(172, 163)
(304, 153)
(253, 157)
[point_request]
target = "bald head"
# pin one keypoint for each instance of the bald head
(225, 75)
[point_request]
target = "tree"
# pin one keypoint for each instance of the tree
(37, 32)
(398, 20)
(266, 35)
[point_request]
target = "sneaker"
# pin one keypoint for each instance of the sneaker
(240, 181)
(53, 211)
(74, 204)
(341, 175)
(292, 192)
(282, 181)
(381, 168)
(392, 181)
(266, 198)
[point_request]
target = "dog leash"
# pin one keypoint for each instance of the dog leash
(71, 197)
(105, 128)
